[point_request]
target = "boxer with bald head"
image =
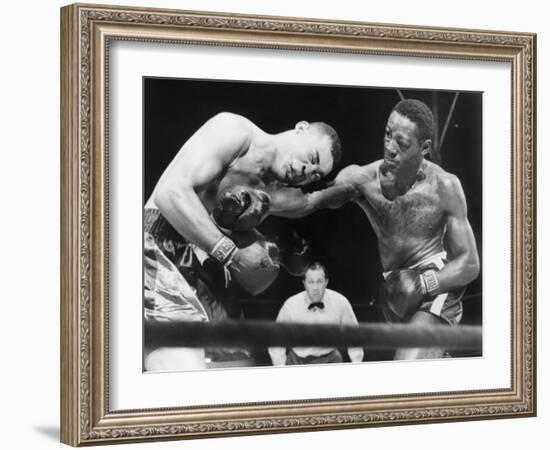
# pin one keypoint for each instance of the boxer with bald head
(418, 212)
(220, 185)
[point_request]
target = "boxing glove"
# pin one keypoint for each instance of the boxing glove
(294, 252)
(404, 290)
(256, 266)
(241, 208)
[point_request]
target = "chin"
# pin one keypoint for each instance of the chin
(291, 182)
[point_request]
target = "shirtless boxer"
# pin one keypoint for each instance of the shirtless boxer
(228, 151)
(418, 212)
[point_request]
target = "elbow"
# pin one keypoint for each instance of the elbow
(472, 268)
(167, 196)
(311, 204)
(163, 197)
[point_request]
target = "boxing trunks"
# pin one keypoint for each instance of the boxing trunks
(177, 287)
(167, 294)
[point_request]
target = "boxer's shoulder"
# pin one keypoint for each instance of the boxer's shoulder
(355, 174)
(229, 118)
(369, 178)
(371, 170)
(230, 124)
(447, 187)
(446, 182)
(438, 174)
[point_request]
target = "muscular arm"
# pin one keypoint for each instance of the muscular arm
(295, 203)
(202, 159)
(459, 237)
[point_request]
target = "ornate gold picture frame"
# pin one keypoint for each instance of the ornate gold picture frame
(87, 34)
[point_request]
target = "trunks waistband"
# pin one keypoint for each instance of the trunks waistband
(155, 224)
(438, 260)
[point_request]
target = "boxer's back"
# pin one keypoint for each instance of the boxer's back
(241, 167)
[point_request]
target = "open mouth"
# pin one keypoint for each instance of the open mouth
(293, 176)
(389, 163)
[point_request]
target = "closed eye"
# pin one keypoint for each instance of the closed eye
(402, 144)
(315, 158)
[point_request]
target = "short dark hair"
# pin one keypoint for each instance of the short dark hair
(420, 114)
(335, 143)
(316, 266)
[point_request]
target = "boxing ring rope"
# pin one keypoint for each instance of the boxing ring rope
(252, 333)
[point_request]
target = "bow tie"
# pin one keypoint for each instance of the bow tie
(319, 305)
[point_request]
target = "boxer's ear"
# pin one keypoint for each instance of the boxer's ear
(426, 147)
(302, 125)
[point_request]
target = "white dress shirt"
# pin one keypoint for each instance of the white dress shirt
(337, 311)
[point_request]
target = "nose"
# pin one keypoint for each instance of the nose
(391, 148)
(391, 151)
(307, 170)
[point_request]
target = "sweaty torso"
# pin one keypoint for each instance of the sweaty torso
(409, 227)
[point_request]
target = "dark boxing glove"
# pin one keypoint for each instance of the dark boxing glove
(294, 250)
(241, 208)
(404, 290)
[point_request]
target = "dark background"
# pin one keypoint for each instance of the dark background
(343, 239)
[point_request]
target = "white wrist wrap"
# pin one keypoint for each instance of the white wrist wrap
(431, 283)
(224, 250)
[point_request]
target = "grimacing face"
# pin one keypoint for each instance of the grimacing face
(402, 149)
(315, 284)
(306, 158)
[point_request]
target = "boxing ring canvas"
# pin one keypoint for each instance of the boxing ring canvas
(136, 84)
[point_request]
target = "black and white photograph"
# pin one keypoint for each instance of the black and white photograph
(291, 221)
(281, 219)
